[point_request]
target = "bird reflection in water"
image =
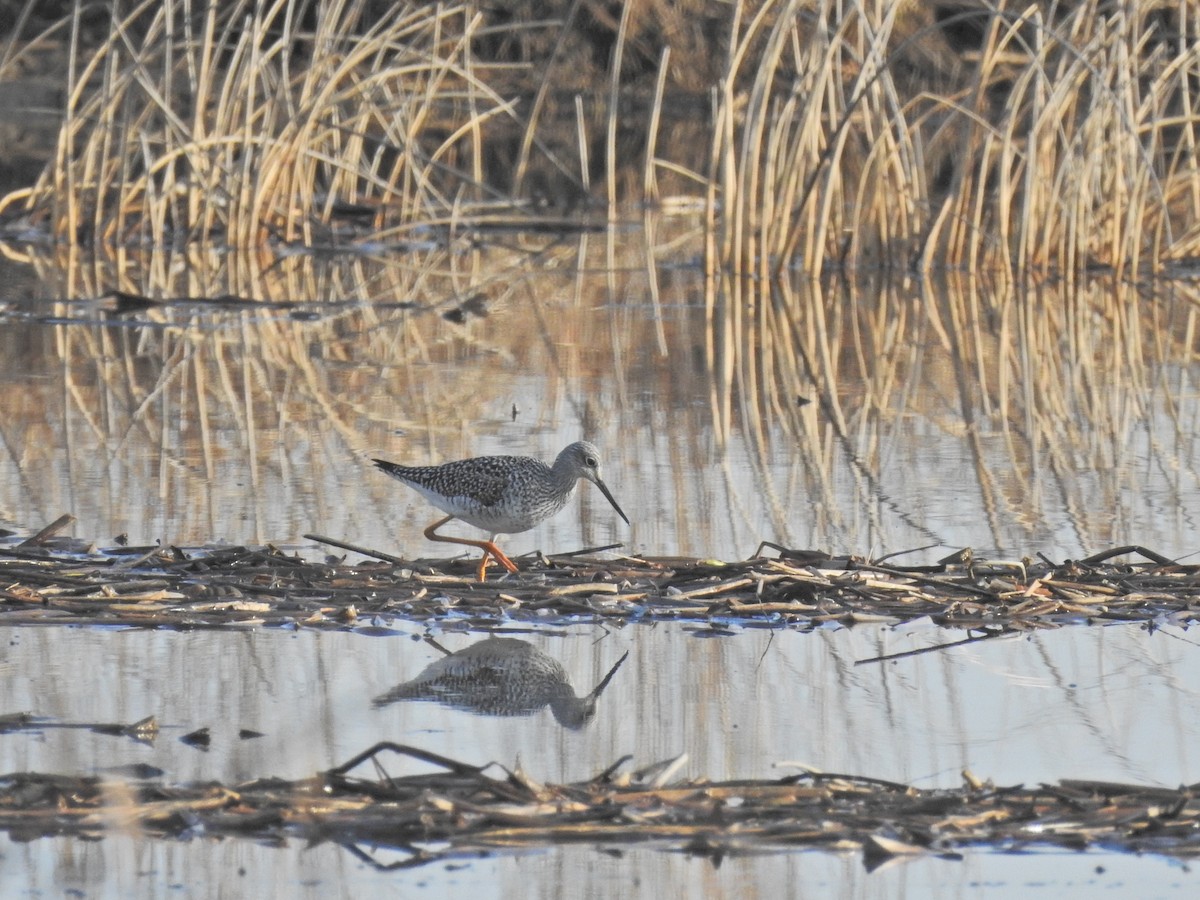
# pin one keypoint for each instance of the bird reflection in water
(501, 677)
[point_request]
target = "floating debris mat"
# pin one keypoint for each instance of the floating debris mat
(48, 580)
(461, 810)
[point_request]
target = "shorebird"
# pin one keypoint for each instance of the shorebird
(501, 677)
(502, 494)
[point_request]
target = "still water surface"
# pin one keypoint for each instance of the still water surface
(1107, 703)
(850, 425)
(190, 423)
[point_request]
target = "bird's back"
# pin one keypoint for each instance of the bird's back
(500, 494)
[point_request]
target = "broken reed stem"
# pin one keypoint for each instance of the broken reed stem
(614, 107)
(582, 140)
(49, 531)
(649, 177)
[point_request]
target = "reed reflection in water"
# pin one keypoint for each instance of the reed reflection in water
(849, 417)
(501, 676)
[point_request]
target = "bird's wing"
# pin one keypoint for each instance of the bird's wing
(488, 479)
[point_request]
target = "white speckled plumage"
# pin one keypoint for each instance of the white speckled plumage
(503, 494)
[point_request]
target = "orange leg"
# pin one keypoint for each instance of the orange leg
(489, 548)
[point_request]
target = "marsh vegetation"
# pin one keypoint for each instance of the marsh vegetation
(1044, 138)
(861, 277)
(1000, 201)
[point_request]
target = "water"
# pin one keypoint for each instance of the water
(1107, 703)
(193, 870)
(188, 424)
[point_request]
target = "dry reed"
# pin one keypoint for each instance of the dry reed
(1066, 143)
(242, 124)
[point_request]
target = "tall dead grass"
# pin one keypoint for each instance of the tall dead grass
(1065, 143)
(248, 122)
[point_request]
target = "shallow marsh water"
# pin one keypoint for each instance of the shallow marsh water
(199, 868)
(1108, 703)
(1104, 703)
(189, 423)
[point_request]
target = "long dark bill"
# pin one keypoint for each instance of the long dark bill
(608, 494)
(598, 689)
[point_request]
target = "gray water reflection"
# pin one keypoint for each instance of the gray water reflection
(1123, 700)
(192, 424)
(198, 424)
(501, 677)
(1112, 703)
(120, 867)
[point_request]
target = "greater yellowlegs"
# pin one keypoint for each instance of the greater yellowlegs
(501, 677)
(502, 494)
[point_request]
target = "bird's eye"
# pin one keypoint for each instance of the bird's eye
(591, 461)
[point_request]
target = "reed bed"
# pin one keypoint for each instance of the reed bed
(249, 123)
(1061, 138)
(54, 581)
(1063, 143)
